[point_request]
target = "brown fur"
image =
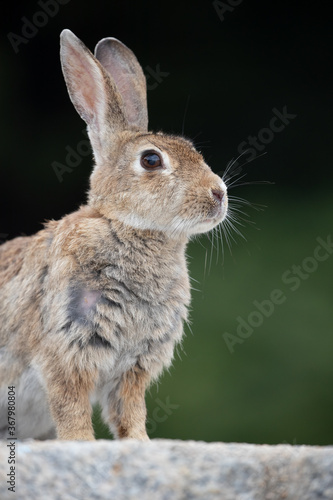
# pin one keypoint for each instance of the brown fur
(92, 305)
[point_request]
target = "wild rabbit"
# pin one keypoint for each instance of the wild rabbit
(92, 306)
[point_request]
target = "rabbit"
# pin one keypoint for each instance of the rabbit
(93, 305)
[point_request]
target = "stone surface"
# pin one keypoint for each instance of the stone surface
(166, 470)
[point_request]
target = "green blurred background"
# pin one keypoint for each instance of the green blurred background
(229, 74)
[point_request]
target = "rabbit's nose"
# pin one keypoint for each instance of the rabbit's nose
(218, 195)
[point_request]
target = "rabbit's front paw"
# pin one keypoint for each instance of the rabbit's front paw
(140, 436)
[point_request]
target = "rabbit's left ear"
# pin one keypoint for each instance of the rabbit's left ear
(93, 93)
(125, 70)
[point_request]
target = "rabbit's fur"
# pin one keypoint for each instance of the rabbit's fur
(92, 305)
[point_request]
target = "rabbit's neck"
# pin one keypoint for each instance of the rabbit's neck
(147, 262)
(156, 241)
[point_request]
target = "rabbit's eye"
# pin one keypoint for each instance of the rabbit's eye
(151, 160)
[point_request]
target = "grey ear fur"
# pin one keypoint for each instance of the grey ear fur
(124, 68)
(92, 91)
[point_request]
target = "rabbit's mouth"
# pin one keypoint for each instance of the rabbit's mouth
(209, 223)
(218, 213)
(213, 221)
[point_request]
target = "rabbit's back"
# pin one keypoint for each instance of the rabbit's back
(12, 256)
(22, 272)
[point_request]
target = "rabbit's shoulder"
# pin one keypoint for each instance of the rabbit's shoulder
(24, 256)
(11, 257)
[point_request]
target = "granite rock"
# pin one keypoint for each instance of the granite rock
(166, 470)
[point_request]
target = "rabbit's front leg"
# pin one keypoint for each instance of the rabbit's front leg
(68, 394)
(126, 405)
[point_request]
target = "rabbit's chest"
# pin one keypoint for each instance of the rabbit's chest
(125, 320)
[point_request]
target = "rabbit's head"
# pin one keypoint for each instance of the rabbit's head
(149, 181)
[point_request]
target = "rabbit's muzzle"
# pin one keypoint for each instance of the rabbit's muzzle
(219, 203)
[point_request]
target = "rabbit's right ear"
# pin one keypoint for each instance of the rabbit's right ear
(126, 72)
(92, 91)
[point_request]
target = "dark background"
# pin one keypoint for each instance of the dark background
(228, 71)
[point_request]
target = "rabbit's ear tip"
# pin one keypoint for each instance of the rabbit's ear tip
(109, 41)
(67, 34)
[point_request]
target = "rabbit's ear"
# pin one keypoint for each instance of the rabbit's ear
(125, 70)
(92, 91)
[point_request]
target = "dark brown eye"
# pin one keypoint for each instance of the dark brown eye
(151, 160)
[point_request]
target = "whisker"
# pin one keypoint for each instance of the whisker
(221, 238)
(211, 252)
(227, 237)
(240, 167)
(232, 163)
(203, 144)
(197, 135)
(205, 264)
(251, 183)
(217, 244)
(235, 229)
(230, 184)
(239, 211)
